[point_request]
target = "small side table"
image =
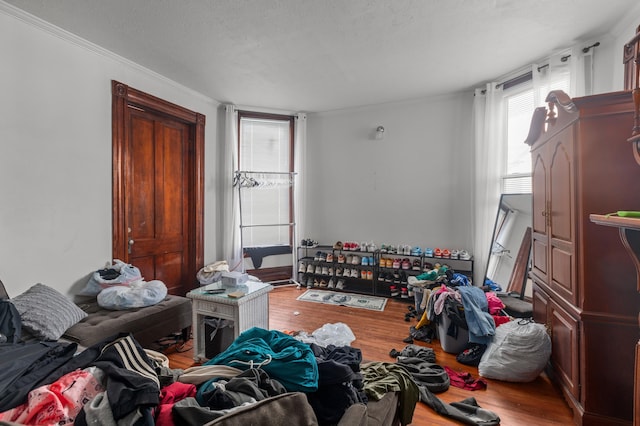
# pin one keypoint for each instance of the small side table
(250, 310)
(629, 229)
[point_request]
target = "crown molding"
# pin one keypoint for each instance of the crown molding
(49, 28)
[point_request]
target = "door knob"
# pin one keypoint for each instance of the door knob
(131, 241)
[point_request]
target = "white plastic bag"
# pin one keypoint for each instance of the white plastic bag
(518, 352)
(338, 334)
(136, 295)
(128, 274)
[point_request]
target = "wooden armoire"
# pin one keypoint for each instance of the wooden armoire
(583, 279)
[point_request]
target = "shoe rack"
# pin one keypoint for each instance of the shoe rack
(330, 268)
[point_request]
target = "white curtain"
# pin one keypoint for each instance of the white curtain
(570, 71)
(299, 202)
(231, 239)
(490, 163)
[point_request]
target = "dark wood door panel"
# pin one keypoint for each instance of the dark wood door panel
(565, 355)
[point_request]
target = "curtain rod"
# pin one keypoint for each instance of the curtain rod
(529, 74)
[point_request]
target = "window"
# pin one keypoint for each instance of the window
(265, 148)
(520, 102)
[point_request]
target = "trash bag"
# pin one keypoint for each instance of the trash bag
(518, 353)
(119, 273)
(137, 295)
(338, 334)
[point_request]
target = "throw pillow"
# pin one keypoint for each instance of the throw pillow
(47, 313)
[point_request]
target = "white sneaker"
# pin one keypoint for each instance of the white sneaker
(464, 255)
(310, 269)
(325, 270)
(302, 267)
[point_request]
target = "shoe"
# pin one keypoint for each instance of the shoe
(437, 252)
(338, 272)
(464, 255)
(318, 269)
(325, 270)
(363, 274)
(311, 269)
(408, 340)
(309, 282)
(372, 261)
(404, 293)
(446, 253)
(355, 260)
(302, 267)
(337, 245)
(316, 282)
(322, 257)
(394, 290)
(383, 248)
(369, 275)
(323, 283)
(455, 254)
(354, 273)
(330, 272)
(330, 284)
(329, 257)
(406, 264)
(341, 258)
(317, 256)
(428, 252)
(364, 261)
(340, 284)
(417, 265)
(416, 251)
(349, 259)
(396, 264)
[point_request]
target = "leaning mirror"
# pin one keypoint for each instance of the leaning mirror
(506, 261)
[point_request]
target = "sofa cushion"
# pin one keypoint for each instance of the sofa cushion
(147, 324)
(46, 313)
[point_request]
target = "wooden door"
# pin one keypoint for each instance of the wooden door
(157, 191)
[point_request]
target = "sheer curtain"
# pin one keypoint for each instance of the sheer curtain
(231, 244)
(489, 154)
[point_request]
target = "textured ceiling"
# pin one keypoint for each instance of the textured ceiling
(319, 55)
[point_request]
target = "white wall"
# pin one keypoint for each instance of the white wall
(413, 187)
(55, 152)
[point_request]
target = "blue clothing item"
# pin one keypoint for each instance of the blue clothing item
(494, 286)
(482, 327)
(284, 358)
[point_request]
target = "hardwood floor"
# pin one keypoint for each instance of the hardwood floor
(535, 403)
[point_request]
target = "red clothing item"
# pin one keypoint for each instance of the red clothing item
(463, 380)
(501, 319)
(168, 396)
(494, 302)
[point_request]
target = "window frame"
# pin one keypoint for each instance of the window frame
(244, 114)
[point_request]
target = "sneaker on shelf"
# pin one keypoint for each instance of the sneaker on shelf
(406, 250)
(340, 284)
(389, 278)
(372, 261)
(364, 261)
(318, 269)
(406, 263)
(354, 273)
(329, 257)
(404, 292)
(316, 282)
(330, 284)
(396, 263)
(309, 282)
(317, 256)
(370, 275)
(416, 251)
(323, 283)
(337, 245)
(331, 272)
(302, 267)
(464, 255)
(338, 272)
(394, 290)
(437, 252)
(446, 253)
(455, 254)
(355, 260)
(416, 265)
(349, 259)
(363, 274)
(341, 258)
(311, 269)
(325, 270)
(383, 248)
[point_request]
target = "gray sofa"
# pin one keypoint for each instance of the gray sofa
(147, 325)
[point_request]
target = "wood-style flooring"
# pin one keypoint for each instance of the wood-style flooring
(535, 403)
